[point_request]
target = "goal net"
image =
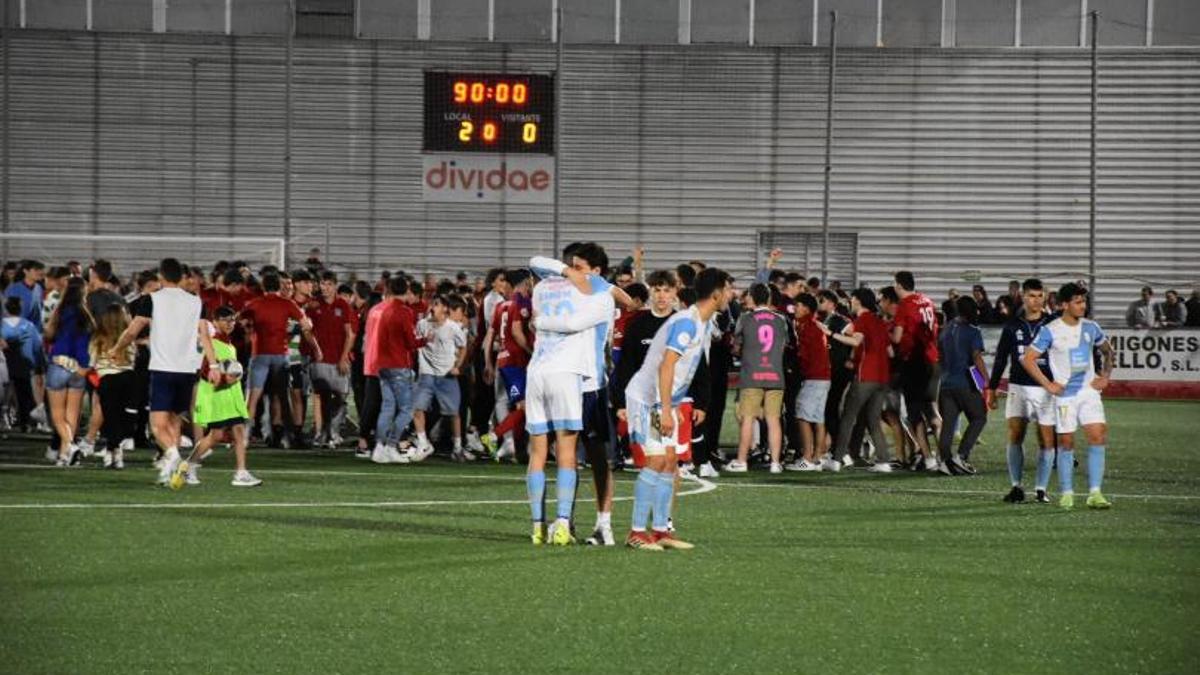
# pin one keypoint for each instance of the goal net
(130, 253)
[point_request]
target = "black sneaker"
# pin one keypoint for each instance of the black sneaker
(1042, 497)
(1016, 495)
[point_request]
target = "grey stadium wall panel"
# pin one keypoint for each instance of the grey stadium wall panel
(952, 162)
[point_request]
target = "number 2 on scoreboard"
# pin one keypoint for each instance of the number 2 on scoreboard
(465, 130)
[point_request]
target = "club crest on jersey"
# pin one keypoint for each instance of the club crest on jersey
(684, 339)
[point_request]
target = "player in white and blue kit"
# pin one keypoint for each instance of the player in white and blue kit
(567, 305)
(651, 398)
(1069, 342)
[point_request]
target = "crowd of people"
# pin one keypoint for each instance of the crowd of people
(607, 365)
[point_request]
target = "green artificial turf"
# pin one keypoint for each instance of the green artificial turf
(796, 573)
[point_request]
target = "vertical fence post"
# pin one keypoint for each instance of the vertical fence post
(1092, 171)
(558, 122)
(287, 132)
(5, 147)
(828, 146)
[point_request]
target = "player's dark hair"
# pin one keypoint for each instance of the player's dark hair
(1032, 284)
(27, 265)
(1070, 291)
(624, 269)
(659, 278)
(103, 270)
(144, 277)
(776, 295)
(793, 278)
(638, 291)
(829, 295)
(967, 309)
(906, 280)
(397, 285)
(760, 294)
(809, 301)
(594, 254)
(687, 296)
(345, 289)
(12, 306)
(454, 302)
(232, 277)
(709, 281)
(271, 282)
(866, 298)
(63, 273)
(445, 287)
(284, 275)
(73, 296)
(776, 276)
(698, 263)
(491, 276)
(362, 289)
(517, 277)
(889, 293)
(686, 275)
(171, 270)
(301, 275)
(814, 282)
(224, 312)
(570, 250)
(329, 275)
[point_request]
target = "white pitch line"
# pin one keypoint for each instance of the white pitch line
(861, 488)
(703, 487)
(313, 472)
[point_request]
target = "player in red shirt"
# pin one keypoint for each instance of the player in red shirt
(268, 318)
(640, 296)
(916, 338)
(516, 345)
(868, 333)
(812, 347)
(333, 326)
(396, 343)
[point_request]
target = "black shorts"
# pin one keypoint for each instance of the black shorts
(224, 424)
(171, 392)
(298, 376)
(919, 383)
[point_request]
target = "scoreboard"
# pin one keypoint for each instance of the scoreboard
(489, 112)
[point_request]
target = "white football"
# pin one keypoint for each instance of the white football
(231, 368)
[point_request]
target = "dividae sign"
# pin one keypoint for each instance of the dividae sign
(486, 179)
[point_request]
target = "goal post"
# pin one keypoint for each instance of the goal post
(131, 253)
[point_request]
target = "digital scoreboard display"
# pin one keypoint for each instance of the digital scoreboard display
(489, 112)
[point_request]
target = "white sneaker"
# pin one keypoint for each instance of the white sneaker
(734, 466)
(461, 455)
(507, 451)
(880, 467)
(395, 456)
(106, 459)
(245, 479)
(685, 470)
(776, 467)
(931, 464)
(118, 456)
(185, 442)
(380, 455)
(335, 442)
(192, 477)
(126, 445)
(170, 462)
(421, 451)
(88, 448)
(803, 465)
(847, 461)
(601, 536)
(831, 464)
(51, 454)
(38, 415)
(473, 442)
(708, 471)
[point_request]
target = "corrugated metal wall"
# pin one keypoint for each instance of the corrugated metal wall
(945, 160)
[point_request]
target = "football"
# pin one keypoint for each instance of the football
(231, 369)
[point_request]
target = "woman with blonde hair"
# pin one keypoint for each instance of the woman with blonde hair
(117, 382)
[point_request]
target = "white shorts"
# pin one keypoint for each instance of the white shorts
(643, 432)
(810, 401)
(1030, 403)
(1079, 410)
(553, 402)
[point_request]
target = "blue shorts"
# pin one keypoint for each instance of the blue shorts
(59, 378)
(514, 383)
(266, 368)
(444, 389)
(171, 392)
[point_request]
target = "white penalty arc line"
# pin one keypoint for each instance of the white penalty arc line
(930, 491)
(703, 486)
